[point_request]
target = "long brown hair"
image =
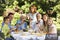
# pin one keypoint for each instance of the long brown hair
(45, 22)
(33, 5)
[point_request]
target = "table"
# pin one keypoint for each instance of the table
(28, 36)
(58, 37)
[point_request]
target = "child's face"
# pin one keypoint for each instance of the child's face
(45, 17)
(7, 21)
(38, 16)
(49, 22)
(23, 18)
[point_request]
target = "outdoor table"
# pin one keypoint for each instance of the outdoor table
(27, 36)
(58, 37)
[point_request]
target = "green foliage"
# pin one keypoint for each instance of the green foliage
(42, 6)
(26, 7)
(16, 16)
(57, 8)
(40, 10)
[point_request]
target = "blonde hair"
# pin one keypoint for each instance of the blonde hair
(22, 15)
(50, 18)
(39, 15)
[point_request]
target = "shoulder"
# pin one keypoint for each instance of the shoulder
(53, 26)
(2, 23)
(18, 21)
(41, 20)
(25, 22)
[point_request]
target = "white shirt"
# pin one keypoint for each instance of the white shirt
(33, 16)
(40, 24)
(34, 19)
(52, 29)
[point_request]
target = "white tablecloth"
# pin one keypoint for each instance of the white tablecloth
(58, 37)
(27, 37)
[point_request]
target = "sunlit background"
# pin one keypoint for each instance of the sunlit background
(42, 6)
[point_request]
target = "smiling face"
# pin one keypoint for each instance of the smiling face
(11, 17)
(45, 17)
(38, 16)
(50, 21)
(23, 17)
(33, 9)
(7, 21)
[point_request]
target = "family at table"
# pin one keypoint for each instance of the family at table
(28, 25)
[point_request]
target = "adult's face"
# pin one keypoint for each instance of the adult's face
(45, 17)
(33, 9)
(11, 17)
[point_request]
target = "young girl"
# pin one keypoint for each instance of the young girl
(52, 31)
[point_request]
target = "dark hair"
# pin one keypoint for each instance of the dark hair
(50, 9)
(4, 19)
(10, 14)
(44, 21)
(45, 14)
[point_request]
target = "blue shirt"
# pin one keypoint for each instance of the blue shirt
(22, 26)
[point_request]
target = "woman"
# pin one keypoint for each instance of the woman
(45, 18)
(32, 16)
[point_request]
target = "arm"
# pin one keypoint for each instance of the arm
(25, 25)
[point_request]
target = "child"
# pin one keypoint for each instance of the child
(52, 31)
(52, 27)
(39, 19)
(6, 28)
(39, 23)
(22, 23)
